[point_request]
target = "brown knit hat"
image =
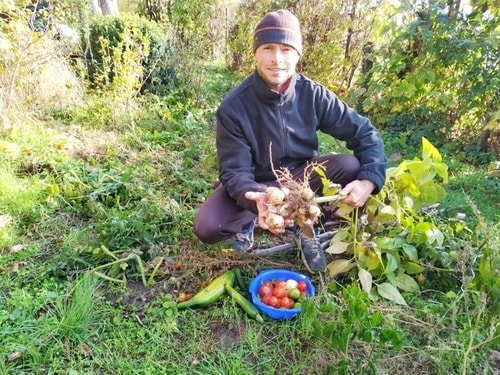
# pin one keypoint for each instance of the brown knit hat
(278, 27)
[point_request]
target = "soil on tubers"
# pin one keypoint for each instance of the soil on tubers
(292, 199)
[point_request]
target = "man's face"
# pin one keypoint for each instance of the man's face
(276, 63)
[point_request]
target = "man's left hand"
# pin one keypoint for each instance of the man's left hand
(358, 192)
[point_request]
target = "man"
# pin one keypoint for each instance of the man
(277, 107)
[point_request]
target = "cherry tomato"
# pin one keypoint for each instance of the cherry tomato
(265, 299)
(280, 284)
(264, 290)
(268, 283)
(286, 302)
(273, 301)
(294, 293)
(280, 292)
(302, 285)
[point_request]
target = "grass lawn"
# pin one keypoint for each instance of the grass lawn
(72, 208)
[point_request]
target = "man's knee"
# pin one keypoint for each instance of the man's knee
(341, 168)
(204, 232)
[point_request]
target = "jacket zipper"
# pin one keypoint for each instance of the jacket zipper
(283, 124)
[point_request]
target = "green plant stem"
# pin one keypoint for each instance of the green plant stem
(109, 253)
(129, 257)
(329, 198)
(141, 269)
(157, 266)
(109, 278)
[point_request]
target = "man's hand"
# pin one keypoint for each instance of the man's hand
(358, 192)
(260, 200)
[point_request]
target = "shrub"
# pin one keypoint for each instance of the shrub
(129, 54)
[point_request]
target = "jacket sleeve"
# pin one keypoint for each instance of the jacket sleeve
(236, 170)
(344, 123)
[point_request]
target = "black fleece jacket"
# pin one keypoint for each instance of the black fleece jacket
(252, 116)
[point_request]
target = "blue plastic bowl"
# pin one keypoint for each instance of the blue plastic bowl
(271, 312)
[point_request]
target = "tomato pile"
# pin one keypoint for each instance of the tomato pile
(282, 294)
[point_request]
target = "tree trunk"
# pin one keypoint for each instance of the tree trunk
(105, 7)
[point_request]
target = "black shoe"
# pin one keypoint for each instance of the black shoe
(243, 241)
(311, 252)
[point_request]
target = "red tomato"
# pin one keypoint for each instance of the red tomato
(303, 293)
(273, 301)
(280, 292)
(265, 299)
(280, 284)
(286, 302)
(268, 283)
(264, 290)
(302, 285)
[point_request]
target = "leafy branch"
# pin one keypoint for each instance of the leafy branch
(382, 245)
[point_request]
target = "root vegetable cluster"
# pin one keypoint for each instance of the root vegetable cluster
(292, 200)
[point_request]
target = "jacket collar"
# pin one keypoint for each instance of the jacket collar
(265, 93)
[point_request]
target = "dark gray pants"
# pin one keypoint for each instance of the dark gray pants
(219, 217)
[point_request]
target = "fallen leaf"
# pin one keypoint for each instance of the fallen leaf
(16, 248)
(5, 220)
(13, 356)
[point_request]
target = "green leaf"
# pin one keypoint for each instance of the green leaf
(429, 151)
(442, 171)
(377, 319)
(434, 235)
(341, 235)
(344, 211)
(385, 243)
(410, 251)
(413, 268)
(391, 293)
(391, 264)
(329, 188)
(407, 283)
(365, 278)
(337, 248)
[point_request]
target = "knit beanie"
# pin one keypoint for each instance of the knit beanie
(278, 27)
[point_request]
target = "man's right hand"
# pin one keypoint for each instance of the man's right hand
(260, 199)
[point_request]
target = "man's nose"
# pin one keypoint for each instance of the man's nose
(277, 55)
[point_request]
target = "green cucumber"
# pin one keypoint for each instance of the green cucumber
(245, 304)
(239, 280)
(211, 293)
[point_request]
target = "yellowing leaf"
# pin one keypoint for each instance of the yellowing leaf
(390, 292)
(435, 235)
(11, 149)
(337, 248)
(373, 261)
(388, 210)
(365, 278)
(339, 266)
(344, 211)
